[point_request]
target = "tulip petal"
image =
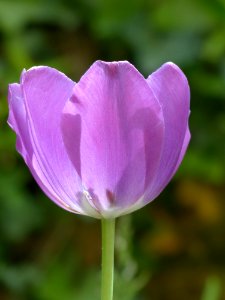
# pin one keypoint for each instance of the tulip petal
(18, 122)
(183, 150)
(113, 130)
(45, 91)
(171, 88)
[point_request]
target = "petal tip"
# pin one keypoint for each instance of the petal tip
(175, 69)
(39, 70)
(113, 65)
(172, 66)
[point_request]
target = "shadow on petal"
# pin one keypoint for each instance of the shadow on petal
(142, 167)
(73, 123)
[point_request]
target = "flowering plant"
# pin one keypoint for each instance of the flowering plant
(105, 146)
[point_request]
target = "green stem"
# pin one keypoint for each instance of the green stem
(108, 236)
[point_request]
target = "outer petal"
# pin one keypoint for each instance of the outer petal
(45, 91)
(18, 122)
(183, 149)
(170, 87)
(113, 131)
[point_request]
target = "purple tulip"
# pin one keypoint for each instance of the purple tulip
(107, 145)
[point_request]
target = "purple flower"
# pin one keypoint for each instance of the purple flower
(104, 146)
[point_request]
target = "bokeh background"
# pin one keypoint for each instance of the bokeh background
(172, 249)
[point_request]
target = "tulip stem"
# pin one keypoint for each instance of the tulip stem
(108, 237)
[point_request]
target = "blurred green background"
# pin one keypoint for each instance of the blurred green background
(172, 249)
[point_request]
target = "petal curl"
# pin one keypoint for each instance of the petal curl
(171, 88)
(113, 131)
(45, 91)
(17, 120)
(183, 149)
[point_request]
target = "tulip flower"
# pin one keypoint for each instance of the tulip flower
(105, 146)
